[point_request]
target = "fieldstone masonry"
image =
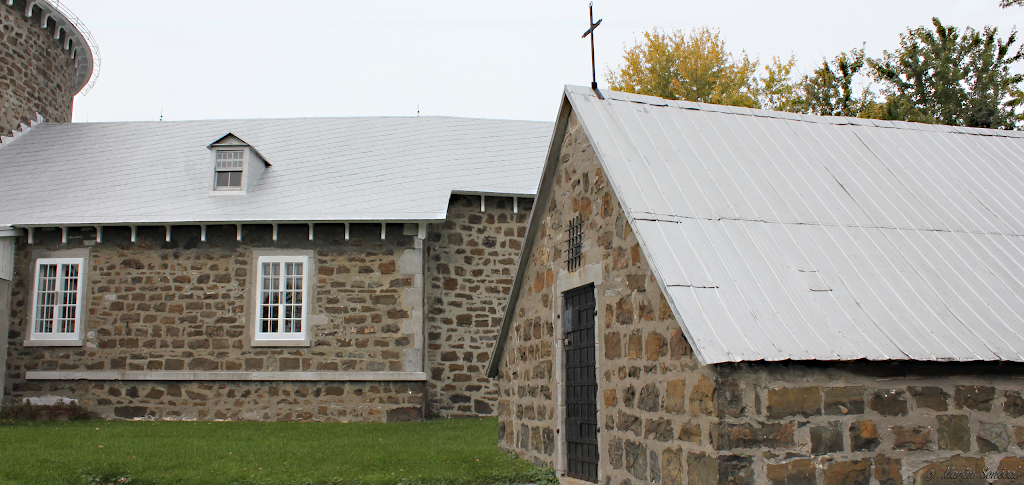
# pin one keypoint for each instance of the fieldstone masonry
(665, 418)
(36, 74)
(470, 262)
(185, 306)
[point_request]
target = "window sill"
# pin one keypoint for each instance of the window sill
(227, 192)
(52, 343)
(281, 343)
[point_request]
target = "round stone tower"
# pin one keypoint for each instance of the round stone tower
(47, 56)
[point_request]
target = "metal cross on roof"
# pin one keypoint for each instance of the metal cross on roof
(590, 32)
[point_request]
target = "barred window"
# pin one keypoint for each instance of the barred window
(574, 243)
(281, 304)
(229, 168)
(57, 297)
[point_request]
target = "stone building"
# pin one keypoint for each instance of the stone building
(48, 58)
(327, 269)
(710, 294)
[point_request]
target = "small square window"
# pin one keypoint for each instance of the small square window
(229, 169)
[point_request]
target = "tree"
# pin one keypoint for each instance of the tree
(830, 90)
(935, 76)
(697, 67)
(1008, 3)
(649, 67)
(943, 76)
(776, 90)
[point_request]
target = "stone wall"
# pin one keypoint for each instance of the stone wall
(470, 263)
(36, 74)
(530, 405)
(249, 401)
(667, 419)
(862, 422)
(186, 306)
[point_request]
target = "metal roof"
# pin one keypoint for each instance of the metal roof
(780, 236)
(322, 169)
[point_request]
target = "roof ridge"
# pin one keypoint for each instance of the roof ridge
(307, 118)
(810, 118)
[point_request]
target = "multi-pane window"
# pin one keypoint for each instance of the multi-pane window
(57, 299)
(229, 168)
(281, 302)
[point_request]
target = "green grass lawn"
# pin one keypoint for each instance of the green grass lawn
(458, 451)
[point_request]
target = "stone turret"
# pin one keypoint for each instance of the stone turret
(48, 57)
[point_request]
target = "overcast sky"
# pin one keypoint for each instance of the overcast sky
(208, 59)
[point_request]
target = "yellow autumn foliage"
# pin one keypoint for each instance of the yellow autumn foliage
(698, 67)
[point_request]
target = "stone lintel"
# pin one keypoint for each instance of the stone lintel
(221, 376)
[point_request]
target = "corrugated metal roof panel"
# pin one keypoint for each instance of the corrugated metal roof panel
(321, 169)
(794, 237)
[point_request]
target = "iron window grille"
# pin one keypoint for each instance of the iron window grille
(574, 244)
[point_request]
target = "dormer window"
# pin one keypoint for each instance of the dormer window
(236, 165)
(229, 170)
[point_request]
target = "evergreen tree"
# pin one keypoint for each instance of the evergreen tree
(945, 76)
(830, 90)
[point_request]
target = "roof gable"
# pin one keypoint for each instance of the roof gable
(228, 140)
(780, 236)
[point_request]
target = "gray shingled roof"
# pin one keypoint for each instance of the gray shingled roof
(322, 169)
(778, 236)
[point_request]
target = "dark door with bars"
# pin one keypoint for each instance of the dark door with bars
(580, 384)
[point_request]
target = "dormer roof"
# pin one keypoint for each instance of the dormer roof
(230, 140)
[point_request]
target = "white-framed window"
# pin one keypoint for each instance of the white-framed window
(282, 301)
(228, 170)
(57, 299)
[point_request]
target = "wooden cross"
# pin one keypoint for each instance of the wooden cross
(590, 32)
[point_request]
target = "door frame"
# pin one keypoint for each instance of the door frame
(585, 289)
(592, 274)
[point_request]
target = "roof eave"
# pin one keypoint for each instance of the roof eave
(9, 231)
